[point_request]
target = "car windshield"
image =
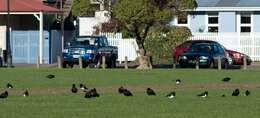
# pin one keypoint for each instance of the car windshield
(202, 48)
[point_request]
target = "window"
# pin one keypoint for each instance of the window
(245, 23)
(212, 22)
(182, 20)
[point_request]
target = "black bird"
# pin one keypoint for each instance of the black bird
(8, 85)
(91, 93)
(74, 89)
(203, 94)
(121, 89)
(226, 79)
(178, 82)
(50, 76)
(223, 95)
(82, 87)
(247, 93)
(150, 91)
(4, 95)
(236, 92)
(171, 95)
(25, 93)
(127, 93)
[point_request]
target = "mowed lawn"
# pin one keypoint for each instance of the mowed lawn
(53, 99)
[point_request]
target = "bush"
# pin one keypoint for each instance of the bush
(160, 42)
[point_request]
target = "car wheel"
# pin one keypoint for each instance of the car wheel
(226, 65)
(85, 65)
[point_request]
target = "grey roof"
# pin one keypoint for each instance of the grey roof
(228, 3)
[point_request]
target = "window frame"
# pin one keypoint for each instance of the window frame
(208, 25)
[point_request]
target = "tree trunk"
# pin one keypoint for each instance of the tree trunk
(144, 61)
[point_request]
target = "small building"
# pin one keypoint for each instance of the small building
(233, 23)
(31, 23)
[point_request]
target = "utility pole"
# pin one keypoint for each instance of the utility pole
(62, 25)
(8, 47)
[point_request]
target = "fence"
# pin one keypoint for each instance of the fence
(126, 47)
(248, 43)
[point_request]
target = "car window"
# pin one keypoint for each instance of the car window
(202, 48)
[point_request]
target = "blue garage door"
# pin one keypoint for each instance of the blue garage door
(25, 46)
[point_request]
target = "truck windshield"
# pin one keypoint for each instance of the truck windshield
(97, 41)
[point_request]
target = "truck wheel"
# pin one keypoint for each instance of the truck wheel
(64, 65)
(85, 65)
(71, 65)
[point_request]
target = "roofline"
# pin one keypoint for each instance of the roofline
(226, 9)
(27, 12)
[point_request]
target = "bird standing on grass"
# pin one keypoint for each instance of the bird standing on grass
(25, 93)
(247, 93)
(127, 93)
(50, 76)
(203, 94)
(4, 95)
(150, 91)
(226, 79)
(236, 92)
(74, 88)
(8, 85)
(121, 90)
(92, 93)
(178, 82)
(171, 95)
(82, 87)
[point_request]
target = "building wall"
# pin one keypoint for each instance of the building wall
(227, 22)
(197, 21)
(256, 20)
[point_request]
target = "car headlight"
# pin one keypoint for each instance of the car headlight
(82, 52)
(183, 57)
(66, 51)
(90, 51)
(204, 57)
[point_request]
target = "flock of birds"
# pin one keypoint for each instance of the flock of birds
(92, 93)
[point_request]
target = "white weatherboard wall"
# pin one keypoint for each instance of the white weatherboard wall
(2, 38)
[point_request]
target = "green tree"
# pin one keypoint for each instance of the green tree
(83, 8)
(139, 16)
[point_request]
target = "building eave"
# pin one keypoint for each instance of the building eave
(226, 9)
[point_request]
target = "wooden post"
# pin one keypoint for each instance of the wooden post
(38, 62)
(59, 62)
(245, 63)
(126, 62)
(80, 63)
(219, 63)
(103, 62)
(197, 64)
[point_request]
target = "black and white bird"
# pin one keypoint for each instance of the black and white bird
(25, 93)
(178, 82)
(150, 91)
(83, 87)
(4, 95)
(247, 93)
(74, 88)
(8, 85)
(50, 76)
(121, 89)
(226, 79)
(171, 95)
(203, 94)
(127, 93)
(236, 92)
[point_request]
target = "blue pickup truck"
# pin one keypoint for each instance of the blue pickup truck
(90, 49)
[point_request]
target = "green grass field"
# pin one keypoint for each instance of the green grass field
(53, 99)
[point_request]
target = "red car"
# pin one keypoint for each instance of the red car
(237, 57)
